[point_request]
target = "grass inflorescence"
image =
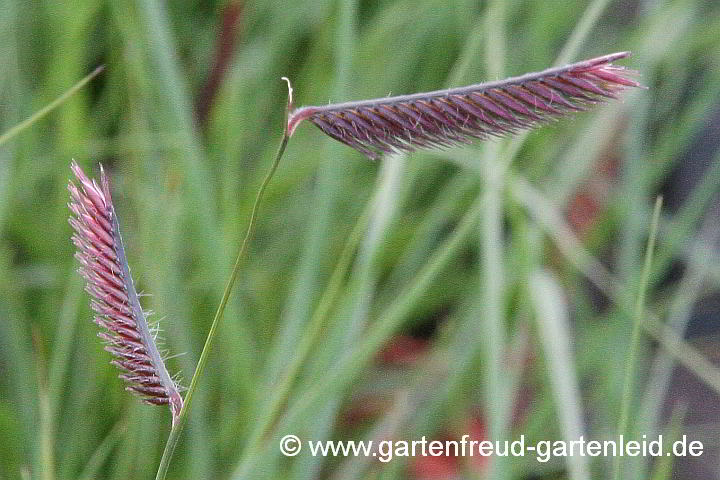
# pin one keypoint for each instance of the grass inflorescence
(454, 116)
(104, 265)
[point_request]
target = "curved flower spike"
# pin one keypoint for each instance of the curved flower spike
(445, 118)
(104, 266)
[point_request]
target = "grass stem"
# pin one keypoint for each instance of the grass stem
(633, 354)
(177, 428)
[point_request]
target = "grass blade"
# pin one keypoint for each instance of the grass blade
(629, 383)
(49, 107)
(554, 325)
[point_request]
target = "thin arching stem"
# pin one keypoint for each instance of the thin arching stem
(177, 428)
(50, 106)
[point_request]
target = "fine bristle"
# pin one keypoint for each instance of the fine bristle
(104, 266)
(445, 118)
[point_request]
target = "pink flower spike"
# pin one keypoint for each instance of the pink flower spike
(104, 266)
(445, 118)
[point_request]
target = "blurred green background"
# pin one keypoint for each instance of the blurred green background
(487, 290)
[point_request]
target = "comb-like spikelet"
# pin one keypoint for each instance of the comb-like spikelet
(104, 266)
(449, 117)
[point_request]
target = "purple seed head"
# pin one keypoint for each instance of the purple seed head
(449, 117)
(104, 266)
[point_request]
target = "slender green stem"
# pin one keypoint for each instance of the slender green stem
(49, 107)
(633, 354)
(179, 424)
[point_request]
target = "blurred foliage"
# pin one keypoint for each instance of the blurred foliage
(445, 277)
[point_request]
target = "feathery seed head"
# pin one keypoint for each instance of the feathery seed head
(104, 266)
(445, 118)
